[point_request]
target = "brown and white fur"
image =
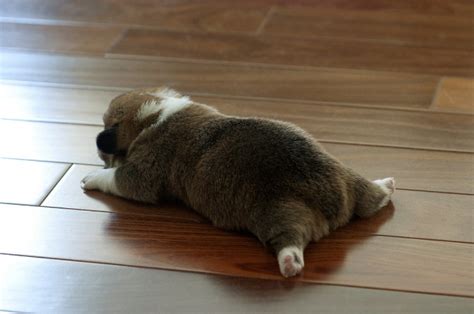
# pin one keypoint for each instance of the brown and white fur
(265, 176)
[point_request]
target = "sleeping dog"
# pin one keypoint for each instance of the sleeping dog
(265, 176)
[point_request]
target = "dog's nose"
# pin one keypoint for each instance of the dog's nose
(107, 141)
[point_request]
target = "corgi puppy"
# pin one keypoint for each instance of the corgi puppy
(265, 176)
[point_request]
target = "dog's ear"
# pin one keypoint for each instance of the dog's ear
(107, 140)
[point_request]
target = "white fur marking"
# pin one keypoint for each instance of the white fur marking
(290, 260)
(102, 180)
(388, 186)
(172, 105)
(168, 102)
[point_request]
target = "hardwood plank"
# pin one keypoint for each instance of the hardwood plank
(28, 182)
(55, 104)
(414, 169)
(49, 142)
(292, 50)
(118, 289)
(57, 38)
(321, 84)
(455, 94)
(222, 16)
(361, 125)
(420, 129)
(68, 194)
(440, 24)
(143, 240)
(413, 214)
(427, 7)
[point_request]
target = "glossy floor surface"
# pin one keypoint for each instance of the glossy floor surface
(386, 86)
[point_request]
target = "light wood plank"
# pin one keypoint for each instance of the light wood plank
(318, 84)
(105, 288)
(222, 16)
(293, 50)
(361, 125)
(434, 23)
(49, 141)
(58, 38)
(414, 169)
(28, 182)
(455, 94)
(423, 215)
(68, 194)
(326, 122)
(144, 240)
(55, 104)
(413, 214)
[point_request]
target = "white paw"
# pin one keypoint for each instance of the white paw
(290, 260)
(388, 186)
(102, 179)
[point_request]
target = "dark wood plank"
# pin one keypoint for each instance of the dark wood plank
(208, 15)
(416, 129)
(143, 240)
(56, 38)
(28, 182)
(426, 23)
(413, 169)
(106, 288)
(455, 94)
(333, 85)
(292, 50)
(413, 214)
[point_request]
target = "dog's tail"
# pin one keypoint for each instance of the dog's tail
(372, 196)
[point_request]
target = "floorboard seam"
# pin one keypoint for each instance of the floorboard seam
(56, 184)
(321, 140)
(238, 97)
(229, 275)
(342, 231)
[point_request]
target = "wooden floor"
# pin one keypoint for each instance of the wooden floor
(386, 86)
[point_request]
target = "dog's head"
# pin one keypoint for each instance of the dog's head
(129, 114)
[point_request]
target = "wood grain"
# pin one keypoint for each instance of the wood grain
(49, 141)
(28, 182)
(55, 104)
(293, 50)
(436, 24)
(118, 289)
(58, 38)
(143, 240)
(455, 94)
(208, 15)
(414, 169)
(322, 84)
(361, 125)
(415, 129)
(68, 194)
(413, 214)
(385, 84)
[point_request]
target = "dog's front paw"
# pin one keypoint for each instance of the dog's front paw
(101, 179)
(92, 180)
